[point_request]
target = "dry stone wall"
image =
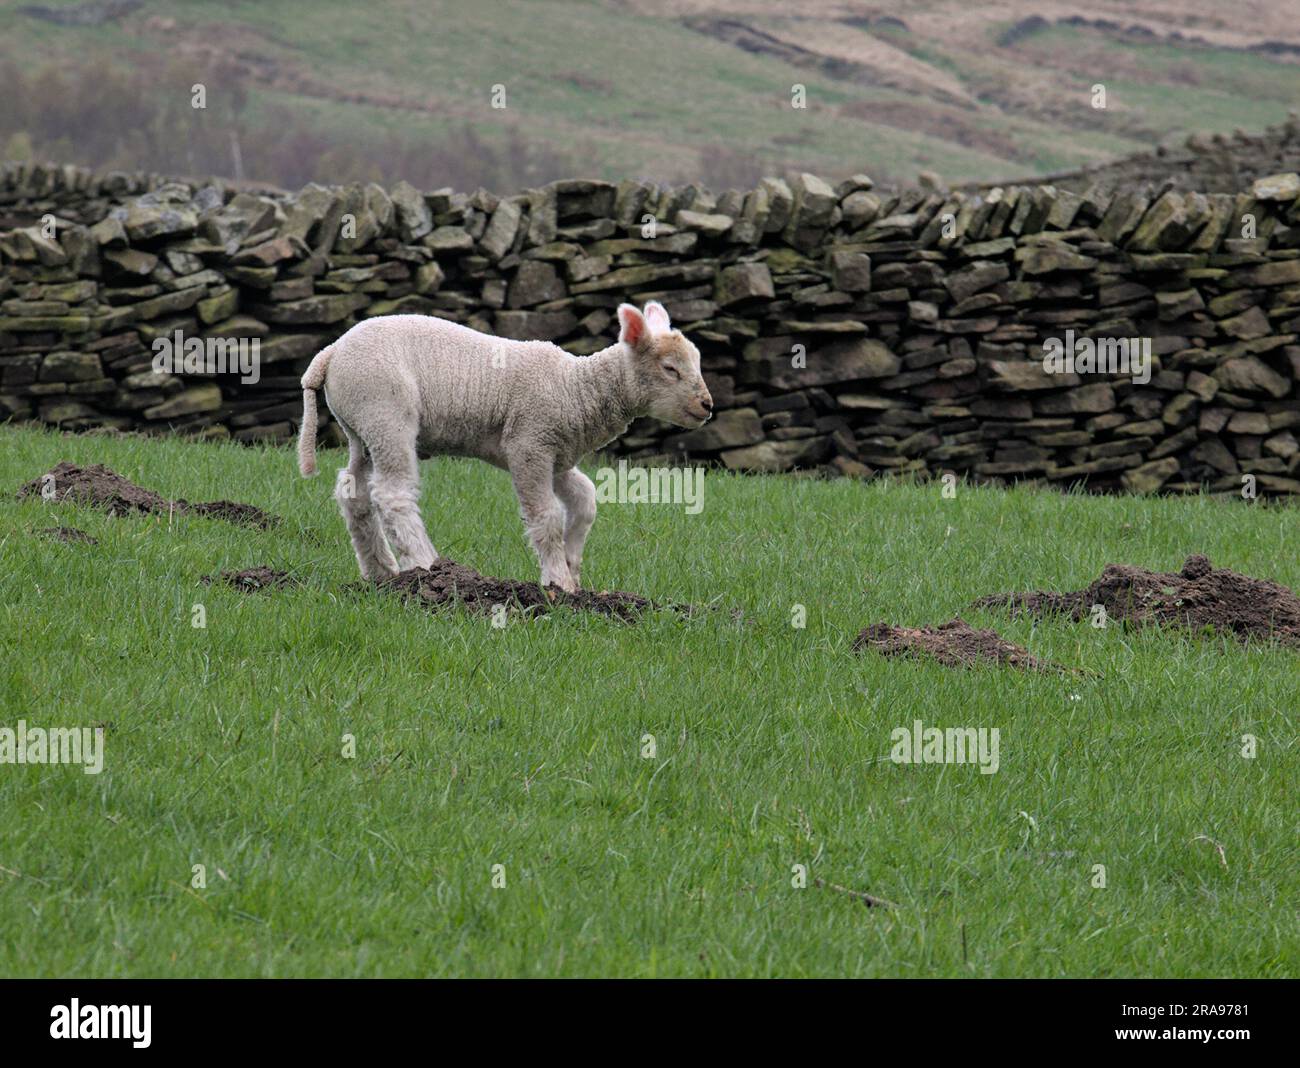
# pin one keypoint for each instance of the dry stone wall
(1204, 163)
(842, 327)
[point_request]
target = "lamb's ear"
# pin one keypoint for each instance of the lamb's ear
(633, 329)
(656, 317)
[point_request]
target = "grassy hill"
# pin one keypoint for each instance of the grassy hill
(523, 746)
(678, 91)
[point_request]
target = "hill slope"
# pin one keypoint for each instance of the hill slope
(684, 90)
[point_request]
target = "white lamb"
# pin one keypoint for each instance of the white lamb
(408, 386)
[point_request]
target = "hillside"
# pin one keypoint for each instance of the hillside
(615, 88)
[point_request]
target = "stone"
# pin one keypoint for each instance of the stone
(1284, 445)
(1248, 423)
(860, 208)
(306, 210)
(319, 309)
(978, 276)
(414, 219)
(704, 223)
(66, 411)
(132, 261)
(167, 304)
(1016, 375)
(291, 289)
(143, 222)
(534, 325)
(1180, 409)
(1177, 304)
(1250, 374)
(535, 282)
(584, 197)
(1214, 453)
(1049, 256)
(543, 214)
(778, 455)
(292, 347)
(1125, 212)
(741, 282)
(499, 238)
(632, 278)
(1284, 187)
(245, 214)
(1249, 324)
(814, 203)
(1089, 399)
(109, 232)
(70, 367)
(269, 253)
(448, 239)
(840, 361)
(428, 278)
(214, 309)
(1279, 273)
(72, 292)
(191, 401)
(585, 268)
(850, 271)
(821, 326)
(1164, 226)
(780, 202)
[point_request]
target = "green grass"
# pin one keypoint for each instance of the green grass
(520, 746)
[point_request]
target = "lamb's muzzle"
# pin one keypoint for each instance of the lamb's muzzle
(401, 386)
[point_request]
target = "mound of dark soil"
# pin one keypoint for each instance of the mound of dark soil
(253, 579)
(68, 535)
(232, 512)
(1201, 596)
(955, 643)
(448, 582)
(101, 487)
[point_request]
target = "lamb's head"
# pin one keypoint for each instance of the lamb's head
(665, 367)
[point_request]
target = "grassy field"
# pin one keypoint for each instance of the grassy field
(522, 747)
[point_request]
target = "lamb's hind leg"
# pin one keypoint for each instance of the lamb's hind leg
(578, 495)
(395, 489)
(352, 491)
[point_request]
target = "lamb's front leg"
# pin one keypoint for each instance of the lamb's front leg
(578, 495)
(543, 517)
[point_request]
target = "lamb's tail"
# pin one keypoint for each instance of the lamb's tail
(312, 380)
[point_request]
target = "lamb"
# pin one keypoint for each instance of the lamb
(403, 387)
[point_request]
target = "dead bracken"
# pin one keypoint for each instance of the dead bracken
(101, 487)
(448, 582)
(1201, 598)
(954, 644)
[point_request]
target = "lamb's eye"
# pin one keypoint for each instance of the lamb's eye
(676, 374)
